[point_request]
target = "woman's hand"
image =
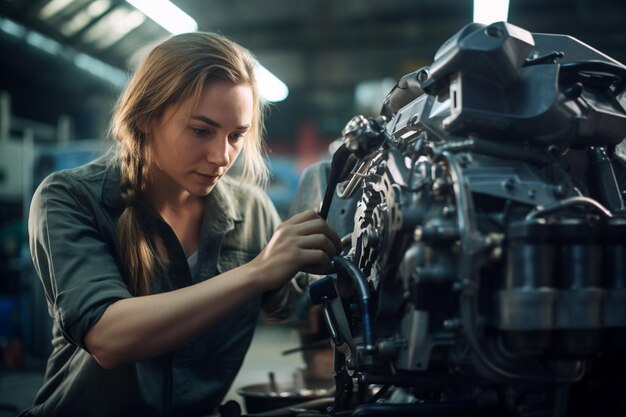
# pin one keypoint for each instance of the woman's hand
(305, 242)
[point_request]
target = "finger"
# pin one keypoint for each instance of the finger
(334, 237)
(315, 261)
(319, 226)
(318, 241)
(311, 227)
(303, 217)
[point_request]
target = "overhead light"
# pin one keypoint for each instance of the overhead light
(489, 11)
(113, 27)
(44, 43)
(166, 14)
(84, 17)
(270, 86)
(176, 21)
(53, 7)
(12, 28)
(98, 68)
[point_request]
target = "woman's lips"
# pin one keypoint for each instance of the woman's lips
(207, 177)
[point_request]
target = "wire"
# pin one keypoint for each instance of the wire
(568, 202)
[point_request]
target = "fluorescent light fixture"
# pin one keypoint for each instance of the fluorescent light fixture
(490, 11)
(176, 21)
(98, 68)
(44, 43)
(85, 62)
(270, 86)
(82, 19)
(12, 28)
(166, 14)
(113, 27)
(53, 7)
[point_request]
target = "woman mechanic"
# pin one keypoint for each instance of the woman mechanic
(155, 264)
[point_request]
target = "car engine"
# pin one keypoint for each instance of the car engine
(485, 273)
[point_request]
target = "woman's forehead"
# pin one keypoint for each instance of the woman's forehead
(221, 102)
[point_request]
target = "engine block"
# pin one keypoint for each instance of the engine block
(487, 265)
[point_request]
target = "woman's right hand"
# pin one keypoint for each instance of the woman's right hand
(305, 242)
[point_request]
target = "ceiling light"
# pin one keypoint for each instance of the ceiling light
(270, 87)
(98, 68)
(113, 27)
(167, 15)
(489, 11)
(44, 43)
(53, 7)
(176, 21)
(87, 15)
(12, 28)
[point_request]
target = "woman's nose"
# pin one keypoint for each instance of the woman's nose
(218, 152)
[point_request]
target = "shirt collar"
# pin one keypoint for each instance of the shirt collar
(110, 194)
(221, 199)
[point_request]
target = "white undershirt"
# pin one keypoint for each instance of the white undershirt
(192, 261)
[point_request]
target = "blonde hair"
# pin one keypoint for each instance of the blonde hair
(174, 71)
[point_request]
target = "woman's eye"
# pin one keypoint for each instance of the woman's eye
(200, 132)
(236, 136)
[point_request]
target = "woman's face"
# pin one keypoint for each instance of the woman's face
(193, 147)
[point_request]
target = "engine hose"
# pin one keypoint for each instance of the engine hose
(468, 298)
(364, 297)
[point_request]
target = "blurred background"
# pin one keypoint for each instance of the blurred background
(63, 63)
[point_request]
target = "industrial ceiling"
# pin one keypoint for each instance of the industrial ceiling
(71, 57)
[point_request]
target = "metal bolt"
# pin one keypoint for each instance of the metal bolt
(422, 75)
(509, 184)
(494, 31)
(449, 211)
(560, 191)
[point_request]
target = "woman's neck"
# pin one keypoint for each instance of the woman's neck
(165, 195)
(181, 210)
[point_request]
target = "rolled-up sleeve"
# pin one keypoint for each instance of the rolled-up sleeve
(74, 260)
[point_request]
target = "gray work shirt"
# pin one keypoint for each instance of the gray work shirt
(72, 240)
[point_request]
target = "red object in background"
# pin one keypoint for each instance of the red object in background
(12, 355)
(309, 145)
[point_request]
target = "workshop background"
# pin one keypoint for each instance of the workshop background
(63, 63)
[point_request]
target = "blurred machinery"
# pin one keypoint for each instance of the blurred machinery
(29, 151)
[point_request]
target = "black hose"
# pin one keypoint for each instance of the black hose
(364, 297)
